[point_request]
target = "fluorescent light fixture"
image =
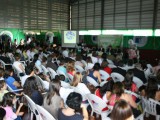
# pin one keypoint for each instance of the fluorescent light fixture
(38, 33)
(94, 32)
(83, 32)
(142, 32)
(157, 32)
(117, 32)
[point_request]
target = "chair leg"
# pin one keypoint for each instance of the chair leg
(92, 113)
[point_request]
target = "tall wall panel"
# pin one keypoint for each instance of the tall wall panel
(34, 14)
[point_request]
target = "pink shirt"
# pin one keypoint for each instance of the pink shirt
(10, 115)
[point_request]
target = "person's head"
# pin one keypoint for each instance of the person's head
(74, 100)
(128, 79)
(104, 64)
(104, 56)
(122, 111)
(8, 72)
(120, 63)
(118, 89)
(78, 57)
(54, 87)
(29, 70)
(36, 56)
(44, 59)
(107, 87)
(17, 56)
(70, 66)
(62, 62)
(30, 85)
(96, 66)
(152, 88)
(9, 99)
(2, 114)
(88, 60)
(142, 90)
(3, 85)
(77, 78)
(1, 72)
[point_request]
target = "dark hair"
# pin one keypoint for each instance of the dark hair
(78, 57)
(8, 72)
(106, 87)
(104, 56)
(128, 79)
(35, 58)
(121, 111)
(104, 64)
(17, 56)
(152, 88)
(96, 66)
(118, 89)
(29, 69)
(8, 99)
(2, 83)
(1, 72)
(30, 85)
(3, 113)
(53, 89)
(74, 100)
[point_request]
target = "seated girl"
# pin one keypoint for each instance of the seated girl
(3, 88)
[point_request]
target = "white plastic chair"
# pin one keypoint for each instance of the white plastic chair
(97, 105)
(92, 81)
(33, 108)
(65, 84)
(84, 62)
(110, 62)
(117, 77)
(44, 84)
(4, 64)
(104, 74)
(137, 81)
(79, 68)
(111, 66)
(62, 73)
(39, 68)
(45, 71)
(44, 114)
(94, 60)
(89, 66)
(52, 73)
(149, 106)
(70, 77)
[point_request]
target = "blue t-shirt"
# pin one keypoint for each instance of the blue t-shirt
(61, 116)
(10, 80)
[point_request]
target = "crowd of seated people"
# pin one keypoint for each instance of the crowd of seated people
(60, 100)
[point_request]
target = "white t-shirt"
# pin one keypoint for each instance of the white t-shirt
(16, 65)
(23, 79)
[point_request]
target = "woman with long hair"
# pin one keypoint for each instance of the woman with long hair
(30, 88)
(52, 102)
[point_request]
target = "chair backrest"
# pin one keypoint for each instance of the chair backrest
(117, 77)
(39, 68)
(132, 93)
(52, 73)
(45, 71)
(89, 66)
(137, 81)
(94, 60)
(32, 107)
(79, 68)
(97, 104)
(44, 85)
(110, 62)
(112, 66)
(70, 77)
(44, 114)
(65, 84)
(92, 81)
(149, 106)
(104, 74)
(84, 62)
